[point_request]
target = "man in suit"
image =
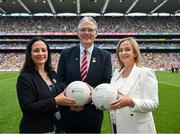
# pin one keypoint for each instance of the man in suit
(86, 119)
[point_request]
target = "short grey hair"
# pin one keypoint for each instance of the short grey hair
(87, 19)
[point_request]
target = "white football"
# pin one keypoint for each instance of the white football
(79, 91)
(103, 94)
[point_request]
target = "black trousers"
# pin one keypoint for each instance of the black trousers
(114, 128)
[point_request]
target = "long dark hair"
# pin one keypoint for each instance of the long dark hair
(29, 65)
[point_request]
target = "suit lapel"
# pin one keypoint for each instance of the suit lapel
(76, 60)
(115, 76)
(131, 79)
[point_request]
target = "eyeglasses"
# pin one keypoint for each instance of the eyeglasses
(89, 30)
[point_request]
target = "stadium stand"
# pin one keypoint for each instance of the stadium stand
(158, 36)
(160, 49)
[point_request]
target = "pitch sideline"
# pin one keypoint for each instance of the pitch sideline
(175, 85)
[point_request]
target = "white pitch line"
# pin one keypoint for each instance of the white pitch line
(169, 84)
(8, 79)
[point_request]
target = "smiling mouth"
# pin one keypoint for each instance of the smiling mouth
(40, 58)
(86, 38)
(124, 57)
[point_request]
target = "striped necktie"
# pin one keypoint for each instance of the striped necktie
(84, 66)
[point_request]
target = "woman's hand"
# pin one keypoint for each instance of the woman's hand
(123, 100)
(63, 100)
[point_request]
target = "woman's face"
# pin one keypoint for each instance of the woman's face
(126, 53)
(39, 52)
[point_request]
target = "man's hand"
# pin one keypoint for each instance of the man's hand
(77, 108)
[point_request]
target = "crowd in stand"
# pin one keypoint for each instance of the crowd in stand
(106, 24)
(14, 61)
(157, 61)
(103, 45)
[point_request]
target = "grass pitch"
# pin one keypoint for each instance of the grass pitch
(167, 116)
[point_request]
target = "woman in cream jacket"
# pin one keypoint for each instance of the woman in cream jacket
(138, 92)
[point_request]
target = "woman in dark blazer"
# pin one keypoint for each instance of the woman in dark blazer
(37, 94)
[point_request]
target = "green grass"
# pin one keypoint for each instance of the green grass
(167, 116)
(9, 109)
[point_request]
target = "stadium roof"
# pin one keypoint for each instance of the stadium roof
(94, 7)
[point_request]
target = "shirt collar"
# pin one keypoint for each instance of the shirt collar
(89, 50)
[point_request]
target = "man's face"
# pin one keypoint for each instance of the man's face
(87, 33)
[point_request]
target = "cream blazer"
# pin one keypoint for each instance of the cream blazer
(142, 86)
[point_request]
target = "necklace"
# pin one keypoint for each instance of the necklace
(125, 74)
(44, 76)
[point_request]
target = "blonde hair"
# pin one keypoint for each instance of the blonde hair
(138, 58)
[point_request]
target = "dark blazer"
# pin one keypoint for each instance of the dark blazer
(37, 103)
(100, 71)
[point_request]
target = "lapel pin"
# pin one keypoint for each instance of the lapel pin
(94, 60)
(76, 58)
(54, 80)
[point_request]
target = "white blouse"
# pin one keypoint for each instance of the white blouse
(119, 83)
